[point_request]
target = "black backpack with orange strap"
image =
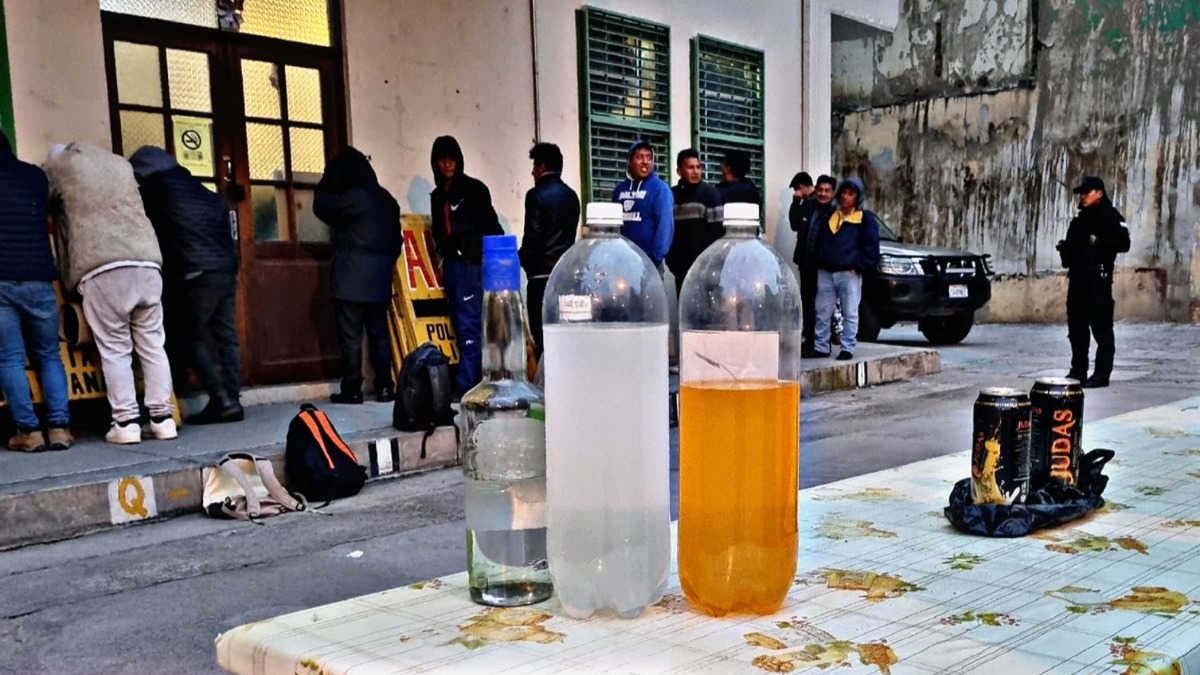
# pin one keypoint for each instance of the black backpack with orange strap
(317, 462)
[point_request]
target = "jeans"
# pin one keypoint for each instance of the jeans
(464, 293)
(351, 318)
(832, 287)
(212, 332)
(123, 307)
(29, 320)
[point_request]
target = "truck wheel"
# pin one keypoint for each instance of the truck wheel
(947, 330)
(868, 323)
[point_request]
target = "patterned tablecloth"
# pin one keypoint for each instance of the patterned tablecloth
(884, 585)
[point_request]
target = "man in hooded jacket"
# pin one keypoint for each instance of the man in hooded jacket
(1094, 238)
(364, 224)
(649, 209)
(462, 214)
(199, 274)
(847, 245)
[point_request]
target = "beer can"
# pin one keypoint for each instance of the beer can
(1000, 447)
(1057, 430)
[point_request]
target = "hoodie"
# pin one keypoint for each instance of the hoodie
(461, 208)
(25, 254)
(649, 219)
(364, 228)
(192, 222)
(855, 244)
(100, 221)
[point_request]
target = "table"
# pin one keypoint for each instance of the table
(884, 585)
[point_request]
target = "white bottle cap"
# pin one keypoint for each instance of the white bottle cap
(741, 211)
(604, 213)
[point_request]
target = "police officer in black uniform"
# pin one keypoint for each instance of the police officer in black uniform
(1094, 239)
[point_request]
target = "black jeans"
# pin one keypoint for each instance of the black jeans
(211, 300)
(534, 291)
(1090, 309)
(351, 319)
(808, 301)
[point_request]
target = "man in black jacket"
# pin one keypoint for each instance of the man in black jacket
(803, 204)
(551, 220)
(462, 214)
(699, 216)
(29, 306)
(364, 225)
(1094, 238)
(734, 186)
(200, 279)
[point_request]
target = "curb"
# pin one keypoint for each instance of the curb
(867, 372)
(112, 497)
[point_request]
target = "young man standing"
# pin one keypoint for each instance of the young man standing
(462, 215)
(649, 219)
(698, 216)
(734, 186)
(847, 245)
(551, 221)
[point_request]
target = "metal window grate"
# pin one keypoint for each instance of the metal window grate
(728, 86)
(625, 90)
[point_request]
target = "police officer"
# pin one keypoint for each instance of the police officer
(1094, 239)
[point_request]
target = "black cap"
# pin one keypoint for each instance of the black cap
(1088, 184)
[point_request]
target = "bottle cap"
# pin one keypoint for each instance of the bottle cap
(605, 213)
(501, 267)
(741, 211)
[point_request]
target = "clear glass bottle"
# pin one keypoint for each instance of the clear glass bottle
(739, 424)
(504, 448)
(607, 429)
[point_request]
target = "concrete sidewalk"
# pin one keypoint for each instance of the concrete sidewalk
(95, 485)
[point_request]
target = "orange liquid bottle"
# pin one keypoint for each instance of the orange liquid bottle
(738, 475)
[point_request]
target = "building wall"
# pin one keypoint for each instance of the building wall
(56, 61)
(980, 152)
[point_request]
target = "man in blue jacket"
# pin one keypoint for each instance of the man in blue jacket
(649, 219)
(29, 306)
(847, 245)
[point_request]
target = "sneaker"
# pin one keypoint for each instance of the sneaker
(386, 394)
(845, 355)
(215, 413)
(27, 441)
(349, 399)
(126, 433)
(1077, 376)
(814, 354)
(1095, 382)
(164, 429)
(60, 438)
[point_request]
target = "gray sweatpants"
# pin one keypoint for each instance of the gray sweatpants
(123, 307)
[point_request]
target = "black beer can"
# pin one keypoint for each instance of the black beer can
(1000, 447)
(1057, 430)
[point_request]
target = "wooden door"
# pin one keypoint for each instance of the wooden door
(255, 119)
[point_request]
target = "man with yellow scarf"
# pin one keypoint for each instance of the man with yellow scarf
(847, 245)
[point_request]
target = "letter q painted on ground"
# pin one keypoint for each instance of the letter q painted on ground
(131, 499)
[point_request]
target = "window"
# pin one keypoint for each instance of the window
(727, 112)
(294, 20)
(624, 85)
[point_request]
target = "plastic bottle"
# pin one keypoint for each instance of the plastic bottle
(739, 427)
(504, 448)
(607, 442)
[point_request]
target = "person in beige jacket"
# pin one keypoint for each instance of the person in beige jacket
(107, 250)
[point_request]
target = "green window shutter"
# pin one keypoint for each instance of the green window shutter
(624, 94)
(728, 104)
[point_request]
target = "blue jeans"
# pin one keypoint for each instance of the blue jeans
(832, 287)
(29, 320)
(464, 293)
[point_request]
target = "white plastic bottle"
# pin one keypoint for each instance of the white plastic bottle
(607, 427)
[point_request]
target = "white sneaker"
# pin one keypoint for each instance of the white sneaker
(124, 434)
(164, 430)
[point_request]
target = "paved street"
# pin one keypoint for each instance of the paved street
(150, 599)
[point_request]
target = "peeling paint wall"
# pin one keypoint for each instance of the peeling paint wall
(1031, 95)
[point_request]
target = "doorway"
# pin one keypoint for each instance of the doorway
(255, 119)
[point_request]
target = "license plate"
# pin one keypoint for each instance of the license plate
(958, 291)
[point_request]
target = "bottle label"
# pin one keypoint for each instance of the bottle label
(728, 355)
(574, 308)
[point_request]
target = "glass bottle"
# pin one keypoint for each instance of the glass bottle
(607, 442)
(739, 425)
(504, 448)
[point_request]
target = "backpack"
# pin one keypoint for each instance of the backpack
(423, 391)
(317, 461)
(244, 486)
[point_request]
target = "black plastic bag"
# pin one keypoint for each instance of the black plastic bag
(1054, 504)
